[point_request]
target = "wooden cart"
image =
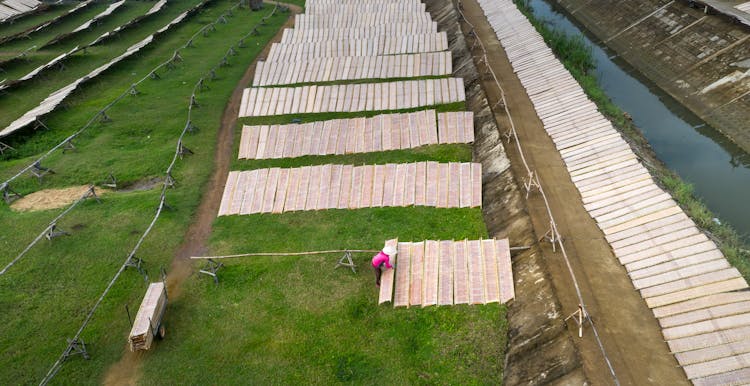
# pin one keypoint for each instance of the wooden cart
(148, 321)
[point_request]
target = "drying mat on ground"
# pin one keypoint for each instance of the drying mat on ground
(356, 135)
(407, 94)
(448, 272)
(342, 47)
(353, 67)
(292, 35)
(276, 190)
(355, 18)
(679, 271)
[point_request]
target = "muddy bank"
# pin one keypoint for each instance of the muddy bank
(701, 60)
(540, 350)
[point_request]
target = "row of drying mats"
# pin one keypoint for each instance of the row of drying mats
(55, 99)
(11, 9)
(700, 301)
(350, 43)
(448, 272)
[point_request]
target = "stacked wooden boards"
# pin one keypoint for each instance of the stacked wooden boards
(700, 301)
(352, 68)
(356, 135)
(277, 190)
(344, 98)
(148, 317)
(448, 272)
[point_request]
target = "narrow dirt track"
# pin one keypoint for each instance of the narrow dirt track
(630, 333)
(127, 370)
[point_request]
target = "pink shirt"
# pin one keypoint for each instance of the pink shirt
(381, 258)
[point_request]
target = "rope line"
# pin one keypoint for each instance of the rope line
(98, 114)
(162, 203)
(114, 101)
(310, 253)
(51, 224)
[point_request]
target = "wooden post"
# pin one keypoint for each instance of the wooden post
(256, 5)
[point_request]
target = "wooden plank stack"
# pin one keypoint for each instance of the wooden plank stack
(148, 317)
(700, 301)
(448, 272)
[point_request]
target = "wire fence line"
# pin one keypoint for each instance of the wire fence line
(76, 344)
(102, 113)
(50, 228)
(533, 181)
(308, 253)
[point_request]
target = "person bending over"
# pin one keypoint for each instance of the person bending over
(383, 258)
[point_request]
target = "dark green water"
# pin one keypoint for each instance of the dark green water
(718, 169)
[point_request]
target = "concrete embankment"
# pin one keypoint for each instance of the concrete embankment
(540, 349)
(702, 60)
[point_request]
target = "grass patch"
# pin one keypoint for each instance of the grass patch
(578, 59)
(17, 101)
(304, 322)
(65, 25)
(440, 153)
(27, 22)
(277, 320)
(55, 285)
(288, 118)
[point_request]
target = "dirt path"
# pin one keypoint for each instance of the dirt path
(127, 370)
(630, 333)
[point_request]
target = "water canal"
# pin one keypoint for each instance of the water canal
(717, 168)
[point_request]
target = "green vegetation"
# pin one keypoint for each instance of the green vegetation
(27, 22)
(296, 320)
(282, 119)
(271, 320)
(30, 93)
(66, 25)
(440, 153)
(577, 58)
(54, 286)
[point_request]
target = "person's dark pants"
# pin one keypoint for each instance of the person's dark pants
(378, 273)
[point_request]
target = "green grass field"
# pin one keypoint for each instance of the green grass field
(53, 287)
(30, 21)
(30, 93)
(287, 320)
